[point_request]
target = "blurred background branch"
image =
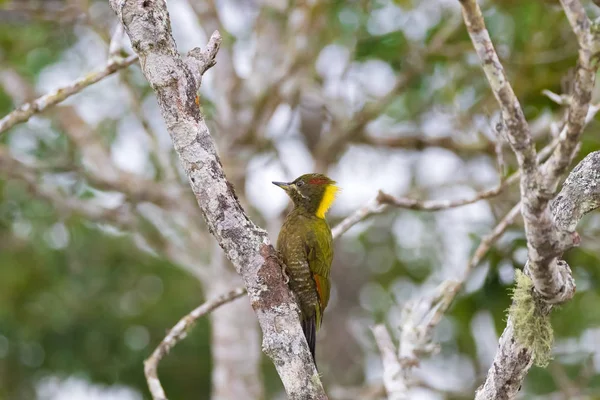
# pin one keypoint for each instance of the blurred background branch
(100, 233)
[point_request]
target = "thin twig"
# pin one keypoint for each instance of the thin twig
(422, 315)
(372, 207)
(28, 110)
(383, 200)
(491, 238)
(549, 227)
(436, 205)
(176, 334)
(418, 141)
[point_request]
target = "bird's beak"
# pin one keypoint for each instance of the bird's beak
(284, 185)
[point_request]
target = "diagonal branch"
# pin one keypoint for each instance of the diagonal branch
(421, 315)
(546, 239)
(513, 118)
(392, 368)
(580, 194)
(579, 99)
(179, 332)
(28, 110)
(383, 201)
(246, 245)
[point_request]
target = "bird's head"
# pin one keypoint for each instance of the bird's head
(313, 192)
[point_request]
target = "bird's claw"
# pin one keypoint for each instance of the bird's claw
(286, 278)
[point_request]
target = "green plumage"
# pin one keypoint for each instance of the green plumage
(306, 247)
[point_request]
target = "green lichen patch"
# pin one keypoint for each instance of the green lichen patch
(532, 326)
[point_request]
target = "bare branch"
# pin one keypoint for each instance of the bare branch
(547, 240)
(580, 194)
(392, 369)
(436, 205)
(418, 141)
(422, 315)
(383, 200)
(28, 110)
(579, 98)
(246, 245)
(419, 319)
(517, 128)
(371, 208)
(176, 334)
(488, 240)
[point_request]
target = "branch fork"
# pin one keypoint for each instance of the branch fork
(175, 82)
(199, 61)
(549, 231)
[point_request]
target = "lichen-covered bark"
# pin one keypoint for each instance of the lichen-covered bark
(549, 229)
(511, 364)
(175, 82)
(544, 243)
(580, 194)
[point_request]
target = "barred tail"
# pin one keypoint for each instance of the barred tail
(309, 326)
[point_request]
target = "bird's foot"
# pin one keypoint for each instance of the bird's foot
(286, 278)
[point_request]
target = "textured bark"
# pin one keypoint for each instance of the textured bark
(579, 99)
(580, 194)
(549, 229)
(513, 118)
(175, 82)
(511, 364)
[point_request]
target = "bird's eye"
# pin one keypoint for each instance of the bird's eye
(299, 183)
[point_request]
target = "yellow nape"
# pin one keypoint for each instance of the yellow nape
(327, 200)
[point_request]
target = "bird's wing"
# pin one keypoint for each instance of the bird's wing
(320, 255)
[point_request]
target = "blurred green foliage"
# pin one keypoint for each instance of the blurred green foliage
(76, 300)
(94, 308)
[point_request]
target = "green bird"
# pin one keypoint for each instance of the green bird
(306, 248)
